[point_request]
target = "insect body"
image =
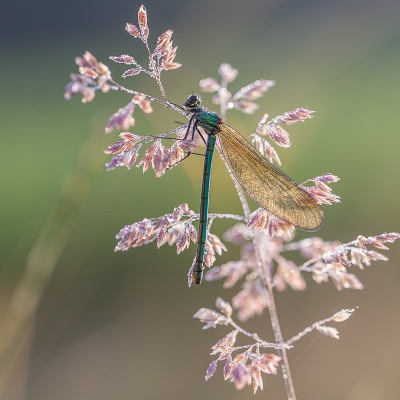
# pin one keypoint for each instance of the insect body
(266, 184)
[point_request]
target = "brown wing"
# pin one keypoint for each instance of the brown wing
(266, 184)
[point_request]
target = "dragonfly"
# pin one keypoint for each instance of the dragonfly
(266, 184)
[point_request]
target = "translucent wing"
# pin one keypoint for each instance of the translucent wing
(266, 184)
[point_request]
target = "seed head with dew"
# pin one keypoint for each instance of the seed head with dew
(265, 236)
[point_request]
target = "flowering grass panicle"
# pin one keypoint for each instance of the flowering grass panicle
(266, 240)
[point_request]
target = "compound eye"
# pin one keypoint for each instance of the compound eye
(192, 101)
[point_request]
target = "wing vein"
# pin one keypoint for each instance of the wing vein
(266, 184)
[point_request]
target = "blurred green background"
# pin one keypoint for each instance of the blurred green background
(119, 325)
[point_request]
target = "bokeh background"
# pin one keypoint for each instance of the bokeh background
(82, 322)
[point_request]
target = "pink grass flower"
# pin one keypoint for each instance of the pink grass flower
(264, 264)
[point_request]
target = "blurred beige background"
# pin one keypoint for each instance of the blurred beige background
(119, 325)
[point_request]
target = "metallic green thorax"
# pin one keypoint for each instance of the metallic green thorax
(209, 121)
